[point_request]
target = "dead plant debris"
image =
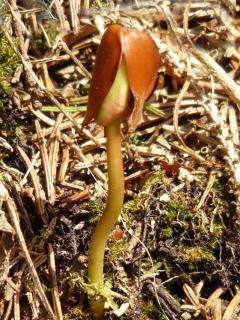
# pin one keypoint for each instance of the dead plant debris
(174, 253)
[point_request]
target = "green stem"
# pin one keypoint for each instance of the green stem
(110, 215)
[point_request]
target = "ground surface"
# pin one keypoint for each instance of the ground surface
(175, 251)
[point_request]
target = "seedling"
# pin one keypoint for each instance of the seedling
(124, 75)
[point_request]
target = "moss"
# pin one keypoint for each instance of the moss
(176, 208)
(166, 233)
(3, 154)
(148, 266)
(76, 314)
(141, 201)
(168, 267)
(196, 254)
(217, 228)
(171, 213)
(94, 207)
(8, 63)
(130, 207)
(148, 310)
(136, 139)
(187, 239)
(163, 317)
(126, 216)
(117, 249)
(5, 86)
(138, 204)
(153, 180)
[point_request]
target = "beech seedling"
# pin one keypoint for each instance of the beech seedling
(124, 76)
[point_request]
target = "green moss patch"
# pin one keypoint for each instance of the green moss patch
(8, 63)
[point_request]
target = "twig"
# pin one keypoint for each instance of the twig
(16, 306)
(54, 149)
(60, 12)
(231, 307)
(15, 221)
(73, 146)
(16, 16)
(9, 310)
(74, 10)
(45, 161)
(47, 92)
(224, 136)
(64, 164)
(83, 70)
(233, 125)
(210, 183)
(21, 206)
(37, 189)
(229, 85)
(189, 151)
(55, 294)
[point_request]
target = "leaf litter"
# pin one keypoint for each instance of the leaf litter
(174, 253)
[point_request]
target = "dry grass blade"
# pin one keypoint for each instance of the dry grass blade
(191, 295)
(45, 35)
(233, 124)
(8, 310)
(15, 221)
(60, 12)
(150, 151)
(198, 288)
(216, 310)
(55, 293)
(91, 137)
(75, 7)
(215, 295)
(224, 136)
(229, 85)
(213, 305)
(5, 226)
(63, 126)
(16, 306)
(54, 150)
(231, 307)
(210, 183)
(21, 206)
(46, 78)
(189, 151)
(82, 70)
(174, 225)
(41, 85)
(14, 11)
(45, 162)
(176, 109)
(38, 193)
(97, 172)
(64, 165)
(34, 305)
(41, 116)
